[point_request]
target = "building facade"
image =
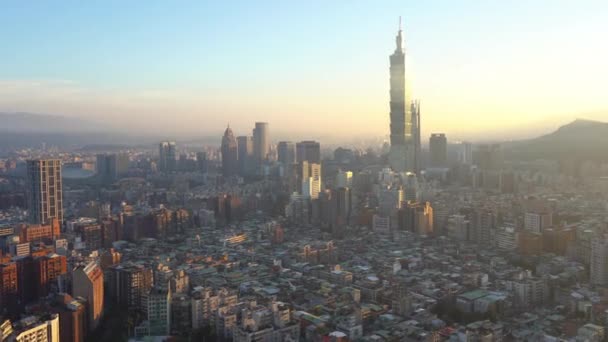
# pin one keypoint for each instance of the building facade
(167, 153)
(310, 175)
(88, 284)
(39, 330)
(599, 262)
(229, 148)
(44, 190)
(260, 142)
(438, 146)
(309, 151)
(245, 154)
(402, 150)
(286, 151)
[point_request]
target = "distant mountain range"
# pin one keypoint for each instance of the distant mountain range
(45, 123)
(26, 130)
(578, 140)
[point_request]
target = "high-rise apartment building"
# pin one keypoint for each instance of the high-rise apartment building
(483, 226)
(167, 153)
(72, 318)
(538, 215)
(402, 154)
(34, 329)
(111, 231)
(286, 151)
(245, 154)
(48, 269)
(309, 151)
(465, 153)
(88, 284)
(92, 235)
(159, 311)
(457, 227)
(438, 146)
(9, 288)
(344, 205)
(260, 142)
(44, 190)
(129, 284)
(229, 148)
(181, 313)
(527, 291)
(25, 276)
(599, 262)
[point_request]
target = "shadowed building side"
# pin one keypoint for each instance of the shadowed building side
(230, 165)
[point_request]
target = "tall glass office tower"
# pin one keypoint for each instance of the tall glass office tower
(402, 155)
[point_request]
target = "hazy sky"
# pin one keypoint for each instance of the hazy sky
(308, 67)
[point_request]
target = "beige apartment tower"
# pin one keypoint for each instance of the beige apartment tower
(44, 190)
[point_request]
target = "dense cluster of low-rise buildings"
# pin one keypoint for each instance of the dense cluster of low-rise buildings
(352, 251)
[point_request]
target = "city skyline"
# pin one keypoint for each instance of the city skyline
(303, 172)
(519, 72)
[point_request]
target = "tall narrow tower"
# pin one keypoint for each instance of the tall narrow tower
(402, 152)
(44, 190)
(416, 128)
(229, 149)
(260, 142)
(245, 154)
(166, 152)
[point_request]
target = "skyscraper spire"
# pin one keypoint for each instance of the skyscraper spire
(399, 38)
(229, 153)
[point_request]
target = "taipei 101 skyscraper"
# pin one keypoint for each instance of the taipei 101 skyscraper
(402, 155)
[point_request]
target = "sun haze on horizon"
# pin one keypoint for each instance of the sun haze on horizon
(480, 69)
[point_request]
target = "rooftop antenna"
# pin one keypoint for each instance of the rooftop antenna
(399, 38)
